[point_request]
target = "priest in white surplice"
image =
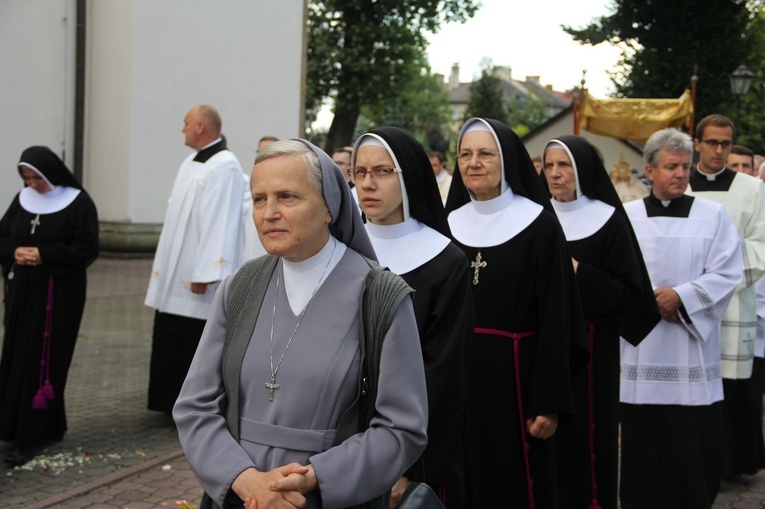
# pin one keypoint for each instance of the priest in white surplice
(671, 383)
(743, 197)
(202, 242)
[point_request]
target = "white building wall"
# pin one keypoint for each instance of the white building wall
(37, 83)
(147, 63)
(153, 60)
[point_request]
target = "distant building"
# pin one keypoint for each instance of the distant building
(512, 89)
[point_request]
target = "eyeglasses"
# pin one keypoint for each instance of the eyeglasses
(359, 174)
(484, 156)
(713, 144)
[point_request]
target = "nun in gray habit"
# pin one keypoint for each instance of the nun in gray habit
(264, 412)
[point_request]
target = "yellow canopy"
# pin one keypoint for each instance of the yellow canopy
(634, 119)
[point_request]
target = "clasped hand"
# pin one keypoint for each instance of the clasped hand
(27, 256)
(283, 487)
(542, 426)
(669, 302)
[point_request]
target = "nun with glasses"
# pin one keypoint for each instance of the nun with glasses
(617, 300)
(288, 402)
(529, 332)
(407, 225)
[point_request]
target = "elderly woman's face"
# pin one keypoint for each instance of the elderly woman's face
(560, 175)
(35, 181)
(290, 216)
(480, 164)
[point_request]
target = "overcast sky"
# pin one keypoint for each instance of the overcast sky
(526, 36)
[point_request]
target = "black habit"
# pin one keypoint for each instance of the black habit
(443, 308)
(529, 329)
(617, 300)
(67, 240)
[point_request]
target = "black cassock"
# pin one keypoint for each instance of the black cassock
(443, 308)
(609, 284)
(68, 243)
(522, 305)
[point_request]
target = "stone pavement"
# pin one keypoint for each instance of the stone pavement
(116, 453)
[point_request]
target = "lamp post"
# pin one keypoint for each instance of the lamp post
(740, 81)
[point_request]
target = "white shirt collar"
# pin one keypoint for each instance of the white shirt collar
(210, 144)
(711, 176)
(405, 246)
(302, 278)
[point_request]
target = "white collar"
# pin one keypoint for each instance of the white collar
(53, 201)
(405, 246)
(582, 217)
(493, 222)
(210, 144)
(444, 175)
(711, 176)
(301, 278)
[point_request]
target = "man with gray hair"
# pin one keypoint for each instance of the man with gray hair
(202, 242)
(671, 386)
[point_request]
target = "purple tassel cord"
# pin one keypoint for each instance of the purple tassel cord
(45, 391)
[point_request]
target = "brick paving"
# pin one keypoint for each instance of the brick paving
(116, 453)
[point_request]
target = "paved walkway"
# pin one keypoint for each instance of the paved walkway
(116, 453)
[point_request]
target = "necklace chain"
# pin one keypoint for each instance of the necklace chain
(273, 385)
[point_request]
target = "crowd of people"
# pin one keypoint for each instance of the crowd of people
(348, 326)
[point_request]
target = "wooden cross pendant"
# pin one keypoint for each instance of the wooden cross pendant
(35, 223)
(478, 264)
(272, 386)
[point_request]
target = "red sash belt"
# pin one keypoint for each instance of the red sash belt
(45, 389)
(594, 504)
(516, 337)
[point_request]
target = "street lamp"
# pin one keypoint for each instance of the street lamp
(740, 81)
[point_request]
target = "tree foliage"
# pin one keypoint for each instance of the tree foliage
(486, 99)
(667, 41)
(422, 108)
(524, 114)
(365, 52)
(752, 121)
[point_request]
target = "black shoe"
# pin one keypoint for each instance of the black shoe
(19, 456)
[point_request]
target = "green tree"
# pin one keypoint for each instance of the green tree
(667, 41)
(422, 108)
(486, 99)
(365, 52)
(526, 113)
(752, 121)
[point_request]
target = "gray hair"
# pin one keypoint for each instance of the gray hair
(295, 148)
(667, 139)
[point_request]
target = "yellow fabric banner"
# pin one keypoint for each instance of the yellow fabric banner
(634, 119)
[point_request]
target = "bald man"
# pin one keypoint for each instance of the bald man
(202, 242)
